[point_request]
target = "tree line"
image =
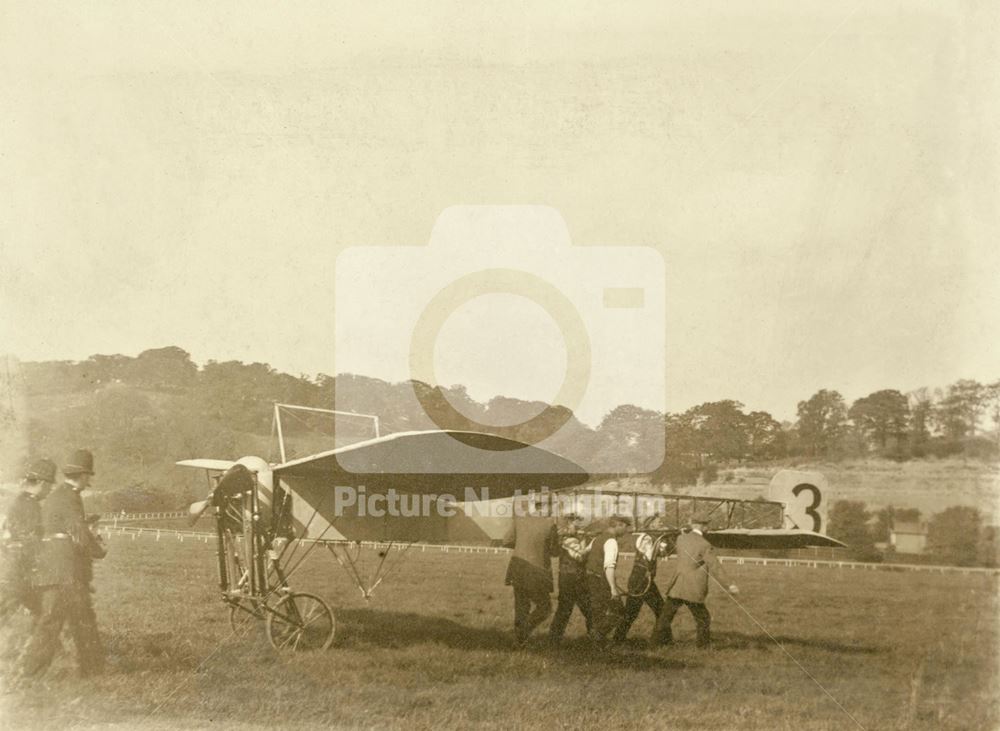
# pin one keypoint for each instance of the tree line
(157, 407)
(891, 424)
(956, 536)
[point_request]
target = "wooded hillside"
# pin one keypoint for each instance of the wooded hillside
(139, 415)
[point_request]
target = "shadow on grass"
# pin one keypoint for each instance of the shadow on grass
(369, 627)
(741, 641)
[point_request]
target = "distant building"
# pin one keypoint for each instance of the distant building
(907, 537)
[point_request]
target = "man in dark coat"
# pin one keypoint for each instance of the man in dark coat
(64, 573)
(696, 564)
(22, 534)
(529, 573)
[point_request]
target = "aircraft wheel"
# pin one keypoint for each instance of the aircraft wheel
(300, 622)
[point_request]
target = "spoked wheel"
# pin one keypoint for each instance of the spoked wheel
(662, 546)
(635, 590)
(243, 620)
(643, 587)
(300, 622)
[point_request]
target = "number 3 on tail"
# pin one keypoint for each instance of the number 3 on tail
(801, 494)
(812, 510)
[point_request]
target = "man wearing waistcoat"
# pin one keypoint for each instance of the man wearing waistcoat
(573, 592)
(642, 588)
(605, 601)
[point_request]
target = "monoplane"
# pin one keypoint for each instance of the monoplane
(387, 493)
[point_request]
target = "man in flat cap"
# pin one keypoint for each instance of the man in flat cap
(573, 548)
(64, 573)
(22, 534)
(606, 607)
(642, 588)
(696, 565)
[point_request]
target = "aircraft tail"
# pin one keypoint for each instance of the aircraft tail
(804, 495)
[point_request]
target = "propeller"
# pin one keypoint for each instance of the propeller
(195, 510)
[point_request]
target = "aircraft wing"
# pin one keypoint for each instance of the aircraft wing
(438, 462)
(743, 538)
(207, 464)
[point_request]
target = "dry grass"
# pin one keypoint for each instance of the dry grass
(432, 650)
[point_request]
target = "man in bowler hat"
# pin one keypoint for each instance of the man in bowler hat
(22, 534)
(64, 573)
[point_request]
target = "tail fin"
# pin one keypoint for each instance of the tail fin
(804, 497)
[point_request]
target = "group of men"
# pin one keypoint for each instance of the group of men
(46, 565)
(587, 578)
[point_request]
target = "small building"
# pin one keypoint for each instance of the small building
(909, 537)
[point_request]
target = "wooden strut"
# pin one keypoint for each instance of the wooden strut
(351, 563)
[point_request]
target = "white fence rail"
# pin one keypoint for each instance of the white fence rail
(182, 535)
(130, 517)
(855, 565)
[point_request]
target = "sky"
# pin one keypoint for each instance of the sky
(820, 180)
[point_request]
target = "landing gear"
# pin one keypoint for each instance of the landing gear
(300, 621)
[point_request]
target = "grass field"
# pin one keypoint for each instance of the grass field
(432, 650)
